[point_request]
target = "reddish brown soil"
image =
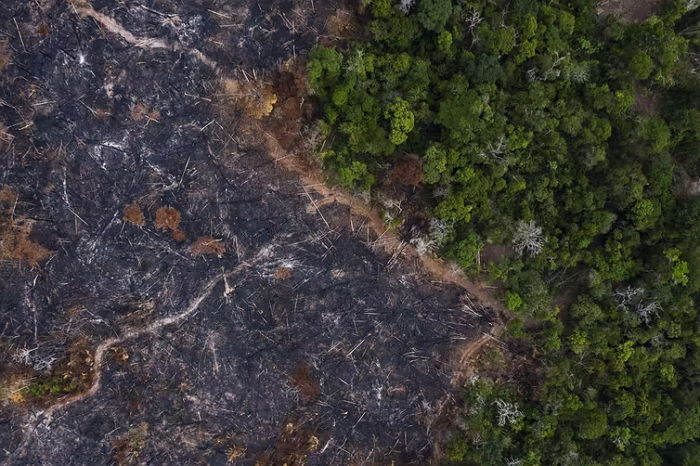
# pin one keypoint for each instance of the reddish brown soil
(632, 11)
(305, 381)
(168, 218)
(208, 245)
(408, 171)
(134, 214)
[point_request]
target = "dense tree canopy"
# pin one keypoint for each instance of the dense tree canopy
(571, 138)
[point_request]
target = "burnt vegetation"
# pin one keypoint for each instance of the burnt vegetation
(170, 294)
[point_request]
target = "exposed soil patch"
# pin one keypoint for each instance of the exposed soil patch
(494, 253)
(646, 102)
(15, 241)
(168, 218)
(284, 273)
(134, 214)
(408, 171)
(304, 380)
(632, 11)
(208, 245)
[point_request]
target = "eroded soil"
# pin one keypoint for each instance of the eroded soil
(631, 11)
(175, 286)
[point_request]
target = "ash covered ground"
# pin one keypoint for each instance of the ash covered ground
(197, 302)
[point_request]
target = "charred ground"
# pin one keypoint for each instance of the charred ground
(245, 323)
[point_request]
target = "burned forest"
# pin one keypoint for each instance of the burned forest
(178, 285)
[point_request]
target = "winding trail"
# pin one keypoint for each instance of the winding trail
(111, 25)
(469, 351)
(43, 418)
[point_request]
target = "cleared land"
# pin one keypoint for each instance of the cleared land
(170, 291)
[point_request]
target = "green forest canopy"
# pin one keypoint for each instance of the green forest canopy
(530, 122)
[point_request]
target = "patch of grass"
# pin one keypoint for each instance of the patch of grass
(50, 386)
(72, 375)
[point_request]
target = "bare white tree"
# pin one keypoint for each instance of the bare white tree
(528, 237)
(507, 412)
(495, 151)
(625, 296)
(354, 63)
(620, 442)
(694, 61)
(38, 360)
(434, 239)
(646, 311)
(406, 5)
(657, 340)
(23, 356)
(635, 300)
(473, 21)
(533, 74)
(444, 191)
(553, 72)
(579, 73)
(571, 457)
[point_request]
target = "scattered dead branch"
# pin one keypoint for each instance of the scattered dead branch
(142, 111)
(5, 137)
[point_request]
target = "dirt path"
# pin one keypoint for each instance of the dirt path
(466, 353)
(313, 179)
(111, 25)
